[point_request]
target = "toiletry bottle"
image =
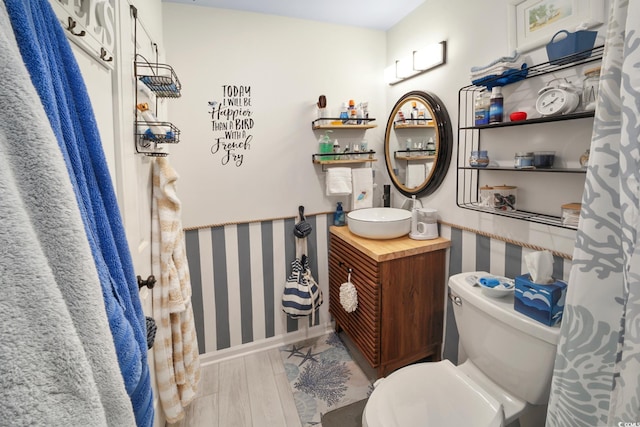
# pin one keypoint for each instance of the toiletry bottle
(414, 112)
(353, 113)
(338, 216)
(344, 113)
(324, 145)
(336, 149)
(414, 215)
(150, 120)
(482, 105)
(496, 105)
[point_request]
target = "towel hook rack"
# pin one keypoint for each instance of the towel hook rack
(103, 55)
(72, 26)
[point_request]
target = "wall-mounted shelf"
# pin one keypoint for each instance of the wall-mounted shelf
(333, 159)
(469, 139)
(161, 79)
(413, 124)
(326, 124)
(415, 155)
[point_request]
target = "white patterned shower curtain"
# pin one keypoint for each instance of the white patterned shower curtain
(596, 378)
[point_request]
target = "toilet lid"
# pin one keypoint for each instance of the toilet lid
(431, 394)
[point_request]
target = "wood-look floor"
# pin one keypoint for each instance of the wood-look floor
(251, 391)
(248, 391)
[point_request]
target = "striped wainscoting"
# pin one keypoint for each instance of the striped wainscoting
(238, 273)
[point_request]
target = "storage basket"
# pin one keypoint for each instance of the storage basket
(574, 47)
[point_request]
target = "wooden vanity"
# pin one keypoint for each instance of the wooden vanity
(401, 296)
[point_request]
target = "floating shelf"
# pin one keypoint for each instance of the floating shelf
(413, 124)
(365, 124)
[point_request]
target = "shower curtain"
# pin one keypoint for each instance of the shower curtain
(596, 378)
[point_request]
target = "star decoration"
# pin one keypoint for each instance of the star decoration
(308, 356)
(295, 351)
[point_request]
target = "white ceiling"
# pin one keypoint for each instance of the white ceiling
(374, 14)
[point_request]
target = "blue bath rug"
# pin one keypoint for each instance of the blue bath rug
(323, 377)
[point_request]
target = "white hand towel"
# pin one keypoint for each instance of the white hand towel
(338, 181)
(416, 175)
(362, 188)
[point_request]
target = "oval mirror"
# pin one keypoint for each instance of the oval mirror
(418, 143)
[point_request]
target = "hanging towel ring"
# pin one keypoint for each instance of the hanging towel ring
(348, 295)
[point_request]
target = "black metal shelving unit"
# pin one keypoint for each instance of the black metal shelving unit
(469, 139)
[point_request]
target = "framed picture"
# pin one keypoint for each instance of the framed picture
(532, 23)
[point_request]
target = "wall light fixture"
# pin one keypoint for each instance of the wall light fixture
(420, 61)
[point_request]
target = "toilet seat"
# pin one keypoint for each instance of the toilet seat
(431, 394)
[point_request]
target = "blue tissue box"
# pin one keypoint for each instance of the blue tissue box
(574, 47)
(544, 303)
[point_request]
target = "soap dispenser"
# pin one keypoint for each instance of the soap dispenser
(338, 216)
(414, 215)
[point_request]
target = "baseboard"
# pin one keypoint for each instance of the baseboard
(265, 344)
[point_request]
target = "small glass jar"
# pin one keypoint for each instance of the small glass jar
(590, 88)
(505, 197)
(584, 158)
(571, 214)
(486, 196)
(523, 159)
(479, 159)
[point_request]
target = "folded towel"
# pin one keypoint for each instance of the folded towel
(508, 77)
(338, 181)
(510, 58)
(362, 188)
(497, 69)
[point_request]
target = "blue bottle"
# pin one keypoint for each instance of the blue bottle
(338, 216)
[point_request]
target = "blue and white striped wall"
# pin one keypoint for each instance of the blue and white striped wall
(238, 273)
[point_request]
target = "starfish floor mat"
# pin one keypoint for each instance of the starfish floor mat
(323, 377)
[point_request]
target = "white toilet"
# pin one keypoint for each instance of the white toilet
(509, 366)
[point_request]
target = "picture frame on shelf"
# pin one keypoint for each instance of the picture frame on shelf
(532, 23)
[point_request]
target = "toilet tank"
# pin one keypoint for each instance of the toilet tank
(514, 351)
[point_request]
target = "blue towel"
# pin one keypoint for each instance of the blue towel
(510, 76)
(56, 76)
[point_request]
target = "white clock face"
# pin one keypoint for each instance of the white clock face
(556, 101)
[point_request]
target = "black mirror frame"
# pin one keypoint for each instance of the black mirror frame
(445, 141)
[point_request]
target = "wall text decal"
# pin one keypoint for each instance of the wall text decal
(232, 124)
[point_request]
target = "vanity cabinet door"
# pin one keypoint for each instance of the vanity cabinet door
(363, 324)
(412, 309)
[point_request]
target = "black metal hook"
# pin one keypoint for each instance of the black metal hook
(149, 283)
(72, 25)
(301, 211)
(349, 269)
(103, 55)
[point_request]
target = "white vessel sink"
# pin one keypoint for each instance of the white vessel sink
(379, 223)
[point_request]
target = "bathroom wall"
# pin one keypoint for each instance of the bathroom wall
(272, 69)
(239, 213)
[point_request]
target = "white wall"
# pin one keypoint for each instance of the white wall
(476, 33)
(287, 63)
